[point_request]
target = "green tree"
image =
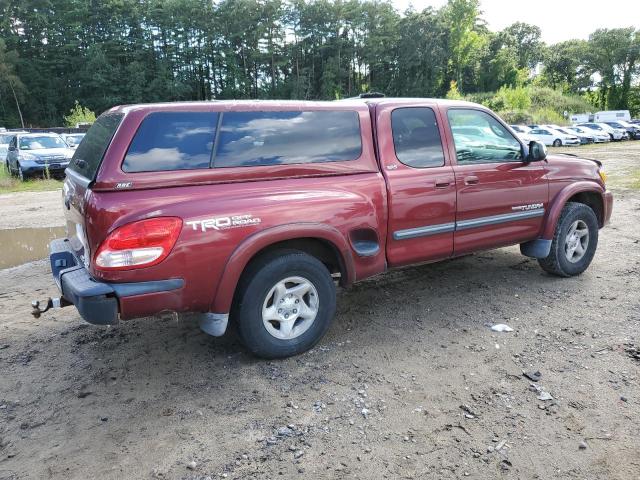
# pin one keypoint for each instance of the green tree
(79, 114)
(465, 37)
(614, 55)
(525, 40)
(11, 88)
(565, 66)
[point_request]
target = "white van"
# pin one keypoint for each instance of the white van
(581, 117)
(612, 116)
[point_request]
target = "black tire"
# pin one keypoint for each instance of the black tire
(255, 286)
(21, 175)
(557, 142)
(557, 262)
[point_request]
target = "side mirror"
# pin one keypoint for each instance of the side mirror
(71, 142)
(12, 148)
(537, 151)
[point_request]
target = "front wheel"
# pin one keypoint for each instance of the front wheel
(574, 242)
(557, 142)
(285, 304)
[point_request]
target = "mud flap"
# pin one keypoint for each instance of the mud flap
(539, 248)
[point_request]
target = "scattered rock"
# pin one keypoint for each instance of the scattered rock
(533, 376)
(624, 399)
(192, 465)
(468, 412)
(298, 454)
(104, 419)
(583, 445)
(633, 351)
(545, 396)
(285, 432)
(501, 327)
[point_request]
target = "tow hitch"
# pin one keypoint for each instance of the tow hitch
(51, 303)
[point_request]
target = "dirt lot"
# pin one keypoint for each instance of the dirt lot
(409, 383)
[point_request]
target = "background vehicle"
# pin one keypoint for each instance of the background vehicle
(251, 210)
(552, 137)
(73, 139)
(37, 153)
(581, 117)
(598, 136)
(611, 116)
(522, 131)
(614, 133)
(5, 139)
(633, 131)
(583, 137)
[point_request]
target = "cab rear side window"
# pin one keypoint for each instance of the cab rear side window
(278, 138)
(416, 137)
(172, 141)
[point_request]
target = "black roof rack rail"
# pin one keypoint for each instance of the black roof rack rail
(371, 95)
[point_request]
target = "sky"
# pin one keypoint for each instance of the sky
(559, 20)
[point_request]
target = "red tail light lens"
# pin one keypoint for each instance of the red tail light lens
(138, 244)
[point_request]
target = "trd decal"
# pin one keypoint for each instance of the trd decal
(223, 223)
(524, 208)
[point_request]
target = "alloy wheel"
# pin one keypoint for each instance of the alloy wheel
(290, 308)
(576, 241)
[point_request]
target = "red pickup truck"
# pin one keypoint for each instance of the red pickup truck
(254, 210)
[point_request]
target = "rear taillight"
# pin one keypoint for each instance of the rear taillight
(138, 244)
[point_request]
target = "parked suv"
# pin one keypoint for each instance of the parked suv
(37, 153)
(633, 131)
(251, 211)
(5, 140)
(614, 133)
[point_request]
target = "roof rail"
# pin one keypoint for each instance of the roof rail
(371, 95)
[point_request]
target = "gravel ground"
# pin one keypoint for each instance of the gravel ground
(31, 209)
(410, 382)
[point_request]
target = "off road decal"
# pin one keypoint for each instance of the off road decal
(223, 223)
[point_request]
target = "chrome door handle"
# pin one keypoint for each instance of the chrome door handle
(471, 180)
(443, 182)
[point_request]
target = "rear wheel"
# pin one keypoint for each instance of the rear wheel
(285, 304)
(21, 174)
(574, 242)
(557, 142)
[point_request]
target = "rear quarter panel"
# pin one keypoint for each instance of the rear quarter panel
(303, 207)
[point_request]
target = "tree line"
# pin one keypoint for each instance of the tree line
(100, 53)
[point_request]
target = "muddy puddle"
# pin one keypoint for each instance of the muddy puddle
(22, 245)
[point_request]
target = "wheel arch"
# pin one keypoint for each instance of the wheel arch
(320, 241)
(586, 193)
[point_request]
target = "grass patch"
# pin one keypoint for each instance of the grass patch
(10, 184)
(630, 180)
